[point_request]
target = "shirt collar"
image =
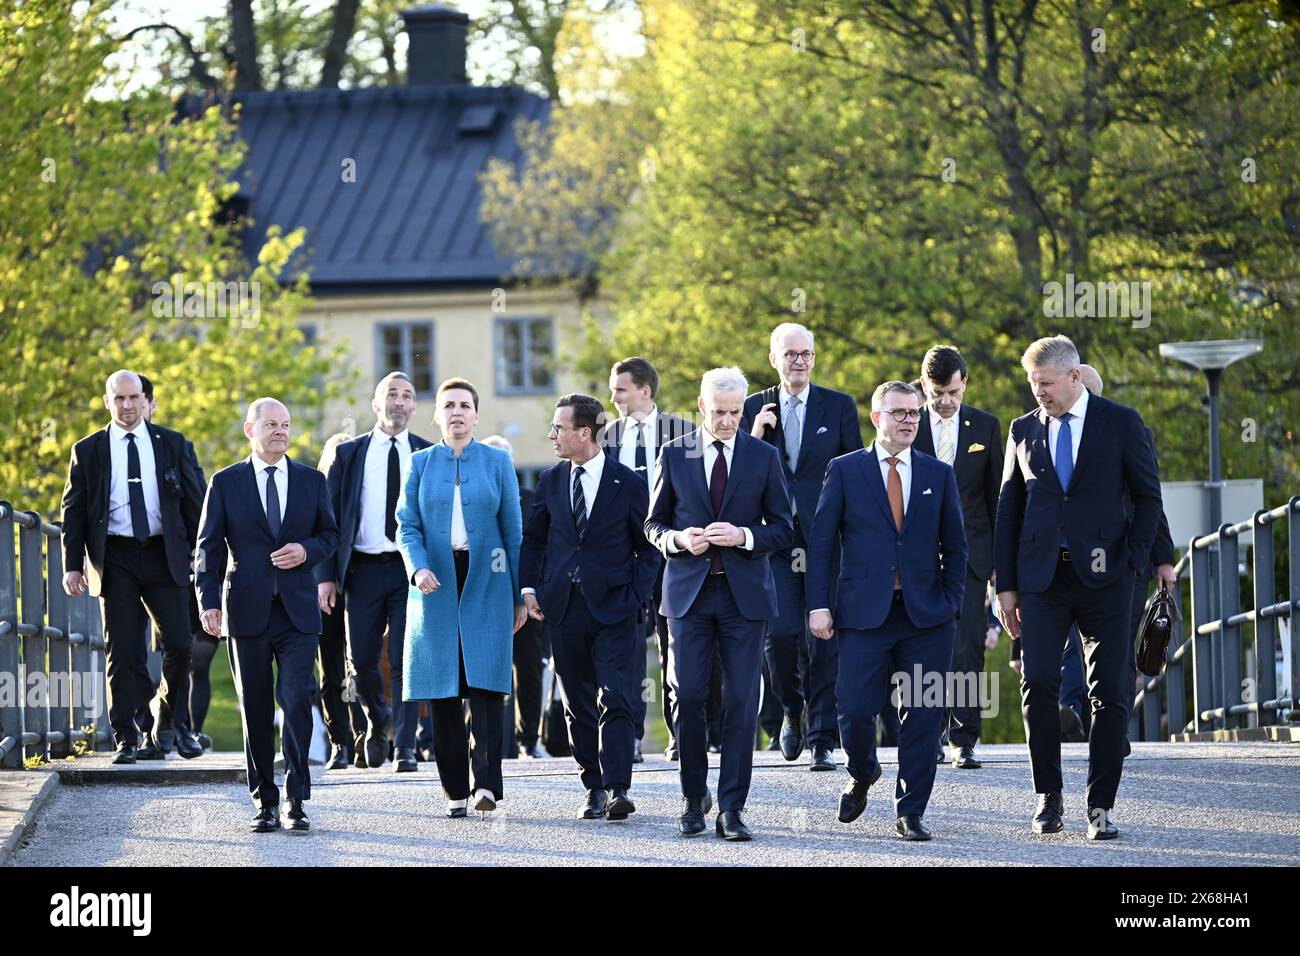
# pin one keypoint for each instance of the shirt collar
(593, 467)
(649, 419)
(118, 433)
(802, 396)
(904, 456)
(729, 444)
(260, 466)
(1080, 408)
(403, 437)
(936, 418)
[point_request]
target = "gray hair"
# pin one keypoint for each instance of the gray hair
(878, 396)
(256, 405)
(784, 329)
(1055, 352)
(497, 441)
(723, 380)
(381, 387)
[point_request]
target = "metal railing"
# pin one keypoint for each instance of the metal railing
(51, 648)
(1223, 693)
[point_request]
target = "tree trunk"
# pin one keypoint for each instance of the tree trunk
(336, 51)
(243, 41)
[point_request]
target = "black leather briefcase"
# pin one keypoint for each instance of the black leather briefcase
(1157, 631)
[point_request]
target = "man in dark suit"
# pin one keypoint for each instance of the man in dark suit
(267, 522)
(808, 425)
(970, 440)
(131, 504)
(718, 509)
(635, 439)
(587, 570)
(895, 513)
(1068, 553)
(365, 481)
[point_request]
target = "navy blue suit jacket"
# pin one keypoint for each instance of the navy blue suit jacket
(233, 557)
(618, 564)
(346, 472)
(1115, 470)
(756, 499)
(929, 553)
(830, 428)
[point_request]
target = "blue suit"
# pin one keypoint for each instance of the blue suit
(729, 610)
(592, 624)
(882, 628)
(269, 614)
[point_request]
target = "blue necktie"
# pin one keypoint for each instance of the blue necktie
(1064, 459)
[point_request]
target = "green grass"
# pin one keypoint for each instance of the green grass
(222, 723)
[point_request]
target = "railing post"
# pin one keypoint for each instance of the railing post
(1230, 634)
(31, 571)
(11, 717)
(1175, 689)
(1265, 626)
(1293, 596)
(1202, 646)
(99, 676)
(62, 677)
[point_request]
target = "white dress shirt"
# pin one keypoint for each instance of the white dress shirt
(459, 536)
(1077, 413)
(119, 492)
(371, 538)
(591, 472)
(281, 480)
(627, 449)
(709, 457)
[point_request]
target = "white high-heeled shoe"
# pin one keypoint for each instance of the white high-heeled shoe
(484, 802)
(457, 808)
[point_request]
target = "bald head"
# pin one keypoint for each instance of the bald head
(124, 398)
(266, 425)
(1091, 379)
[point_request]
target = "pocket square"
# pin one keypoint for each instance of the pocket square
(926, 492)
(822, 429)
(974, 448)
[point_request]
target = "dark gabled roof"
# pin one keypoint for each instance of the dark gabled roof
(411, 218)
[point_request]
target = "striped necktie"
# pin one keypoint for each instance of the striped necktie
(946, 445)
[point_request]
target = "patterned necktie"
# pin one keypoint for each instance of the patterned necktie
(793, 433)
(135, 491)
(717, 492)
(394, 480)
(579, 516)
(947, 447)
(1064, 459)
(895, 501)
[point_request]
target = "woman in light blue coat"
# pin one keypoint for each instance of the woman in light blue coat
(459, 530)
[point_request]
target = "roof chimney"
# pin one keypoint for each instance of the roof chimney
(435, 55)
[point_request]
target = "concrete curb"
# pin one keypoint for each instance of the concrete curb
(19, 828)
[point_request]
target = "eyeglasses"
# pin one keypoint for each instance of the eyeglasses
(901, 415)
(792, 357)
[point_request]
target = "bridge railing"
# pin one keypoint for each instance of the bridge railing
(52, 693)
(1232, 683)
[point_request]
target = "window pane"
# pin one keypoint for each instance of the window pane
(540, 353)
(392, 347)
(511, 354)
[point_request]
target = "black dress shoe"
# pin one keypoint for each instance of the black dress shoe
(636, 752)
(730, 827)
(204, 740)
(535, 751)
(267, 820)
(670, 752)
(791, 739)
(341, 760)
(125, 754)
(692, 821)
(376, 749)
(854, 798)
(457, 812)
(596, 806)
(620, 805)
(150, 750)
(405, 762)
(188, 746)
(822, 758)
(1100, 825)
(715, 748)
(1048, 817)
(965, 758)
(912, 827)
(298, 815)
(1072, 731)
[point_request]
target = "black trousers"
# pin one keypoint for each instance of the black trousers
(376, 597)
(1102, 616)
(344, 722)
(293, 652)
(592, 661)
(528, 654)
(968, 658)
(205, 649)
(137, 582)
(463, 745)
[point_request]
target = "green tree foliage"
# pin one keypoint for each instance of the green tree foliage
(103, 200)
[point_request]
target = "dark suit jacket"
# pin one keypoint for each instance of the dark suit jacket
(1115, 461)
(830, 428)
(1162, 551)
(756, 498)
(618, 564)
(346, 472)
(929, 553)
(668, 427)
(85, 503)
(979, 477)
(234, 531)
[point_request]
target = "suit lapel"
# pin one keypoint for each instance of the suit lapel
(919, 485)
(1094, 424)
(925, 437)
(356, 473)
(1040, 456)
(812, 419)
(693, 458)
(104, 463)
(604, 492)
(964, 435)
(249, 482)
(871, 475)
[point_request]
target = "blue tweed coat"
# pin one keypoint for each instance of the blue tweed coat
(481, 621)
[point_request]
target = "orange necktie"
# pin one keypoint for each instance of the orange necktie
(896, 502)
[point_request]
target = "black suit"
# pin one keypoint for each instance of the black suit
(375, 591)
(978, 464)
(528, 653)
(270, 615)
(131, 576)
(592, 624)
(1088, 582)
(667, 428)
(830, 428)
